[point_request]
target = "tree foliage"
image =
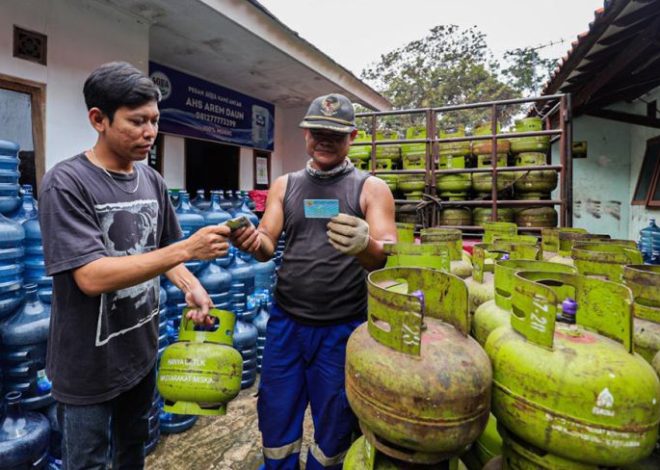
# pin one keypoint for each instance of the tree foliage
(453, 66)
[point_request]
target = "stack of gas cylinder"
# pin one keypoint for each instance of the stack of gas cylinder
(570, 327)
(453, 185)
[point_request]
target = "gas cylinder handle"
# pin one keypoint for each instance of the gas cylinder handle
(487, 251)
(500, 228)
(605, 259)
(604, 307)
(430, 255)
(222, 335)
(505, 279)
(396, 315)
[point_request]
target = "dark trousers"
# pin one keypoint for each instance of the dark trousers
(304, 365)
(89, 430)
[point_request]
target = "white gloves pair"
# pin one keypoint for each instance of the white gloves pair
(348, 234)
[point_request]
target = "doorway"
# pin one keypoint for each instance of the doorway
(210, 166)
(22, 104)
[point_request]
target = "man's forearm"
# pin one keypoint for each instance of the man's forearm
(112, 273)
(181, 277)
(266, 248)
(372, 257)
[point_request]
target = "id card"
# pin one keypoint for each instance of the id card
(321, 208)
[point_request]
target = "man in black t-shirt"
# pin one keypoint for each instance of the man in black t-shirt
(109, 230)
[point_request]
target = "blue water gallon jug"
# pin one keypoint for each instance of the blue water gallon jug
(190, 220)
(200, 202)
(174, 197)
(174, 424)
(279, 250)
(215, 214)
(34, 263)
(12, 236)
(24, 436)
(242, 279)
(265, 275)
(245, 341)
(217, 283)
(243, 209)
(176, 302)
(27, 208)
(23, 351)
(163, 339)
(55, 442)
(260, 322)
(154, 425)
(9, 174)
(225, 201)
(649, 242)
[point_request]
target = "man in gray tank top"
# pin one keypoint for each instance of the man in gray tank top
(336, 220)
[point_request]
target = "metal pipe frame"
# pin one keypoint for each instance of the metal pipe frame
(563, 134)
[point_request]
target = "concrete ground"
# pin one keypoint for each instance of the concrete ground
(230, 442)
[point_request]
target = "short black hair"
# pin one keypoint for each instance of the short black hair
(118, 84)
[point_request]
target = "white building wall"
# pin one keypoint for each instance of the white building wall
(639, 215)
(81, 36)
(174, 161)
(246, 169)
(289, 153)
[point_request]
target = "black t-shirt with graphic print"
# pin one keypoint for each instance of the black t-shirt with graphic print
(101, 346)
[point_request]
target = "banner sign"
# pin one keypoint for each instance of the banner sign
(193, 107)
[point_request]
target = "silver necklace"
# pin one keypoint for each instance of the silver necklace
(98, 163)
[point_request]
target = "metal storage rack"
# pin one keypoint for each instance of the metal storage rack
(558, 126)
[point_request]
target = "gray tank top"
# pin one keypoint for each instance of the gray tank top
(316, 283)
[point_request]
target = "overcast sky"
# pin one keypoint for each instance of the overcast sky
(356, 32)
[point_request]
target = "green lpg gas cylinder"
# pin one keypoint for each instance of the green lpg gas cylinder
(360, 152)
(482, 183)
(405, 232)
(605, 259)
(491, 229)
(485, 147)
(537, 216)
(417, 382)
(538, 184)
(461, 262)
(481, 285)
(389, 151)
(431, 255)
(516, 239)
(364, 456)
(497, 312)
(644, 282)
(486, 448)
(454, 185)
(392, 181)
(529, 144)
(520, 455)
(452, 156)
(414, 155)
(558, 243)
(454, 148)
(458, 216)
(413, 185)
(406, 213)
(360, 164)
(481, 215)
(201, 373)
(576, 391)
(384, 164)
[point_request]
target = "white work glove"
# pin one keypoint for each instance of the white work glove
(348, 234)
